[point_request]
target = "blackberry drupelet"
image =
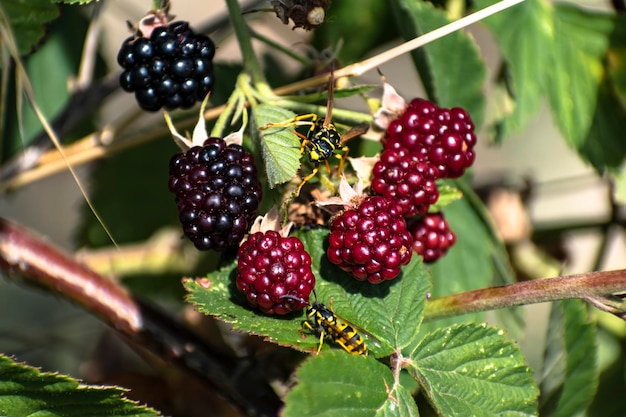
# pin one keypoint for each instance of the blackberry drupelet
(370, 241)
(217, 193)
(173, 68)
(274, 273)
(443, 137)
(401, 177)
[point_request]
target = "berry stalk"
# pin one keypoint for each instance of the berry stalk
(583, 286)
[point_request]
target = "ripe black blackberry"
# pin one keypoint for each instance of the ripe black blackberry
(401, 177)
(370, 241)
(171, 68)
(443, 137)
(432, 236)
(217, 192)
(274, 273)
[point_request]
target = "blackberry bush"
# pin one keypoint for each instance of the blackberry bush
(432, 236)
(217, 193)
(443, 137)
(172, 68)
(370, 241)
(271, 267)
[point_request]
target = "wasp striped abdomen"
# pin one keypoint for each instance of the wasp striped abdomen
(325, 322)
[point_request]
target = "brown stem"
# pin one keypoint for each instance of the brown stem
(145, 327)
(583, 286)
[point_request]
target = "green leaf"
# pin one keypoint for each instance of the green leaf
(335, 384)
(25, 391)
(451, 68)
(280, 146)
(390, 311)
(27, 21)
(49, 70)
(471, 370)
(587, 112)
(562, 50)
(570, 376)
(448, 194)
(524, 34)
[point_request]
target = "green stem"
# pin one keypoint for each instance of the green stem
(250, 62)
(234, 101)
(278, 47)
(583, 286)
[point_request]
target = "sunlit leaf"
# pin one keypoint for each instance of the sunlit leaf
(471, 370)
(280, 147)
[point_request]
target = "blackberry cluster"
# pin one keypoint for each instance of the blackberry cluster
(274, 273)
(432, 236)
(173, 68)
(401, 177)
(440, 136)
(370, 241)
(217, 192)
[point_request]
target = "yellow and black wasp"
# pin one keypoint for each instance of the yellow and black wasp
(322, 140)
(324, 321)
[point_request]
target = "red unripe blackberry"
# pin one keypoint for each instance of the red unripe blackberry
(432, 236)
(217, 193)
(172, 68)
(370, 241)
(401, 177)
(443, 137)
(274, 273)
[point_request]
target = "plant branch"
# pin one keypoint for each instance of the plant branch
(146, 328)
(587, 285)
(250, 62)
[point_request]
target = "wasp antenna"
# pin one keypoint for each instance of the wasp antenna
(294, 297)
(329, 104)
(315, 295)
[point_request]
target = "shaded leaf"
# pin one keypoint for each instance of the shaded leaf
(49, 70)
(141, 201)
(25, 391)
(333, 384)
(471, 370)
(570, 376)
(451, 68)
(280, 147)
(27, 21)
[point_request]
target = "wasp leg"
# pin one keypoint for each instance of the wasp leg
(308, 326)
(300, 120)
(342, 159)
(306, 179)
